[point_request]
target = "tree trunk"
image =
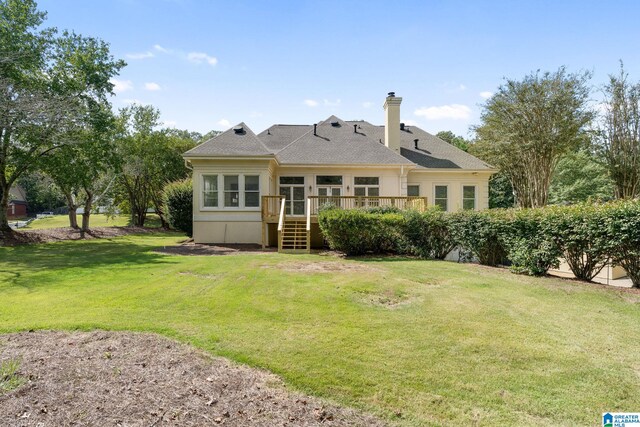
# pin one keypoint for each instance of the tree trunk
(73, 208)
(86, 215)
(4, 207)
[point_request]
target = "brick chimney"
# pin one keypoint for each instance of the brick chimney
(392, 122)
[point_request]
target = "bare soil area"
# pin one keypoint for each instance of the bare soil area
(48, 235)
(191, 248)
(138, 379)
(322, 267)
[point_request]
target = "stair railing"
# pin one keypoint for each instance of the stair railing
(308, 226)
(283, 213)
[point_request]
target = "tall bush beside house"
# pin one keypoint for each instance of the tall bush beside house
(478, 233)
(427, 233)
(579, 233)
(622, 227)
(178, 202)
(529, 246)
(357, 232)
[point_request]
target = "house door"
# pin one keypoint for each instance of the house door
(292, 188)
(329, 194)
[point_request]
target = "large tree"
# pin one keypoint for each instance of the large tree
(453, 139)
(529, 125)
(151, 158)
(621, 134)
(579, 177)
(48, 85)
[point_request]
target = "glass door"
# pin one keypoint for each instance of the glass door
(292, 188)
(329, 194)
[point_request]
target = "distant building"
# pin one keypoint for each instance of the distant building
(17, 203)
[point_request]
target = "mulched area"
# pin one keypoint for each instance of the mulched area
(140, 379)
(47, 235)
(191, 248)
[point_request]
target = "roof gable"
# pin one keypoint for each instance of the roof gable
(237, 141)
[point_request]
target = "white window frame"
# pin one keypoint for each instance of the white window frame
(366, 186)
(437, 184)
(205, 175)
(221, 192)
(475, 196)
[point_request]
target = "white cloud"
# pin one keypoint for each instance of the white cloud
(452, 111)
(224, 123)
(328, 103)
(121, 85)
(200, 57)
(152, 86)
(486, 94)
(461, 87)
(367, 104)
(409, 122)
(141, 55)
(170, 123)
(161, 49)
(310, 103)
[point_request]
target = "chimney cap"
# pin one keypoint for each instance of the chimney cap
(391, 94)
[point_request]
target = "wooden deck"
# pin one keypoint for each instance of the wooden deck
(294, 231)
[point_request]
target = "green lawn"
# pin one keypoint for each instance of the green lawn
(421, 342)
(97, 220)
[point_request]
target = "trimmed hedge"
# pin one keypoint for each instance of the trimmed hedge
(478, 234)
(357, 232)
(532, 241)
(178, 201)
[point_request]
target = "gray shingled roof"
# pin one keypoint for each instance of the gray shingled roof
(230, 143)
(338, 144)
(279, 136)
(432, 152)
(296, 144)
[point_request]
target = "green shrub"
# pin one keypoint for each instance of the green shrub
(357, 232)
(622, 227)
(478, 234)
(427, 233)
(578, 232)
(527, 242)
(178, 201)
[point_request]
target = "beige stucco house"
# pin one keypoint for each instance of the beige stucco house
(267, 188)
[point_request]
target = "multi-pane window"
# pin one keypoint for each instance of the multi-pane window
(469, 197)
(210, 191)
(251, 191)
(441, 196)
(413, 190)
(231, 191)
(366, 186)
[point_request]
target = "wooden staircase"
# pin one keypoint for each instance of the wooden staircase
(294, 237)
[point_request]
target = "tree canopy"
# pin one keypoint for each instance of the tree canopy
(529, 125)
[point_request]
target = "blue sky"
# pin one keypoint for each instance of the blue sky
(208, 64)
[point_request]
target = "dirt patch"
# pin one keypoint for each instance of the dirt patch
(191, 248)
(134, 379)
(322, 267)
(48, 235)
(387, 299)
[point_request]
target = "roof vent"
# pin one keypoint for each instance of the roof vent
(335, 124)
(391, 94)
(315, 129)
(238, 129)
(355, 128)
(401, 126)
(415, 143)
